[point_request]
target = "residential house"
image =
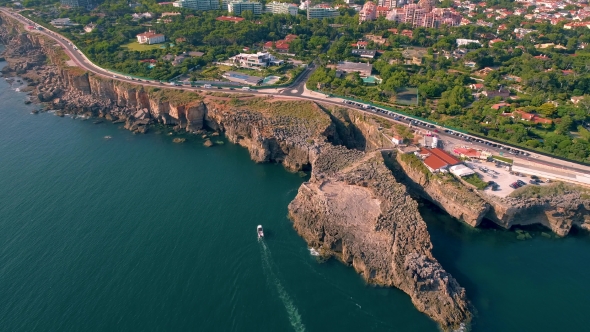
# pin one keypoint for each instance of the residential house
(501, 92)
(376, 39)
(281, 46)
(529, 117)
(62, 22)
(230, 19)
(364, 69)
(370, 54)
(499, 106)
(576, 99)
(255, 61)
(476, 86)
(139, 16)
(89, 27)
(150, 37)
(397, 140)
(464, 42)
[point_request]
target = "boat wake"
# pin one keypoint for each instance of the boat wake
(271, 276)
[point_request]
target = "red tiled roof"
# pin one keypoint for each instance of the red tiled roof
(445, 156)
(423, 151)
(467, 152)
(434, 162)
(230, 18)
(290, 37)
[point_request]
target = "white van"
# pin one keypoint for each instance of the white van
(246, 88)
(207, 86)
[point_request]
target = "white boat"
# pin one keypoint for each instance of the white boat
(260, 232)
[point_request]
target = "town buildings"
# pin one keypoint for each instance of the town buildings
(422, 14)
(197, 4)
(255, 61)
(321, 12)
(150, 37)
(62, 22)
(462, 42)
(76, 3)
(281, 8)
(281, 46)
(237, 7)
(230, 19)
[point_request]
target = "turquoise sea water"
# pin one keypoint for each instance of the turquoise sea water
(136, 233)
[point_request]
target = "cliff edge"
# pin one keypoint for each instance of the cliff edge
(354, 209)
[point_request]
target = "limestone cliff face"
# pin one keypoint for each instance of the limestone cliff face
(560, 213)
(354, 209)
(292, 138)
(453, 197)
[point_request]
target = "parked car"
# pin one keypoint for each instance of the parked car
(521, 183)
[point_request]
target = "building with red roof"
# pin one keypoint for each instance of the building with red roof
(150, 37)
(281, 46)
(230, 19)
(437, 159)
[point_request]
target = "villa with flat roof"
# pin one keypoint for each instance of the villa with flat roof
(255, 61)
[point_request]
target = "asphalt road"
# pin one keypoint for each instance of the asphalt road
(297, 91)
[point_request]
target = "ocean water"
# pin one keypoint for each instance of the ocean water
(136, 233)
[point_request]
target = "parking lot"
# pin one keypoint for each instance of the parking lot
(488, 171)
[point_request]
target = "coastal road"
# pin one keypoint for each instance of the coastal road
(298, 91)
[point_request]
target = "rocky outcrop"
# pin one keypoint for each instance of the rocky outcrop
(354, 209)
(445, 192)
(560, 212)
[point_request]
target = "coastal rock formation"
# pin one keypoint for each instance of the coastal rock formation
(447, 193)
(559, 212)
(354, 209)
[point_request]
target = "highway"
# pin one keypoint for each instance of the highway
(298, 91)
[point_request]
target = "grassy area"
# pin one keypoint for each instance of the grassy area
(476, 181)
(414, 162)
(504, 159)
(135, 46)
(304, 110)
(554, 189)
(174, 96)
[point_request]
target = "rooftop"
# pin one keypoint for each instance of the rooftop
(230, 19)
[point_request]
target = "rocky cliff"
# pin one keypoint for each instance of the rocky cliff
(560, 208)
(446, 192)
(354, 209)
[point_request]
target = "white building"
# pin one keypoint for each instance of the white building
(463, 42)
(150, 37)
(238, 6)
(321, 12)
(281, 8)
(62, 22)
(258, 60)
(197, 4)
